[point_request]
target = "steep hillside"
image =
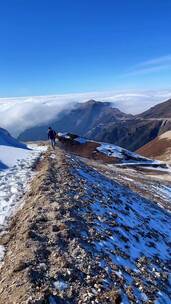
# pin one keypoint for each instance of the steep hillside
(159, 148)
(130, 134)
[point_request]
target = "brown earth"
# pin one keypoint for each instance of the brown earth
(87, 150)
(159, 148)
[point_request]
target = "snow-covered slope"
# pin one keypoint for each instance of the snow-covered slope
(7, 140)
(130, 237)
(14, 180)
(10, 155)
(16, 169)
(11, 150)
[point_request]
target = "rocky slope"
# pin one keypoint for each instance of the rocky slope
(82, 237)
(130, 134)
(132, 170)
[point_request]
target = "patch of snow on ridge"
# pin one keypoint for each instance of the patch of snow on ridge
(14, 180)
(165, 191)
(110, 150)
(60, 285)
(126, 156)
(1, 252)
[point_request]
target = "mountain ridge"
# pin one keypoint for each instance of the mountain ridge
(100, 121)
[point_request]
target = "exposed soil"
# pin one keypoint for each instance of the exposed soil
(87, 150)
(159, 148)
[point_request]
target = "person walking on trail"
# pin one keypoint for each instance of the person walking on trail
(52, 137)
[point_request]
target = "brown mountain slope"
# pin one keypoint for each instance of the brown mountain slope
(159, 148)
(133, 133)
(130, 134)
(161, 110)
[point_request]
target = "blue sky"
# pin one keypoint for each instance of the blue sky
(56, 47)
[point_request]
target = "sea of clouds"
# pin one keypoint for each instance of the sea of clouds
(20, 113)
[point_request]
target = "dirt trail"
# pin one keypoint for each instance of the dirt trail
(26, 273)
(43, 244)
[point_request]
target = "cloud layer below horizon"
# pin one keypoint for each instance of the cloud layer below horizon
(20, 113)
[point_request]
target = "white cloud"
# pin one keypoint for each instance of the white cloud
(155, 61)
(150, 66)
(17, 114)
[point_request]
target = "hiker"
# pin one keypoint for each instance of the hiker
(52, 137)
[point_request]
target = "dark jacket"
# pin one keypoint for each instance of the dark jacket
(51, 134)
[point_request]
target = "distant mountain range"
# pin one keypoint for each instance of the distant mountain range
(161, 110)
(101, 122)
(80, 120)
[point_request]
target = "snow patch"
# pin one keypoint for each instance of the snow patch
(2, 252)
(14, 180)
(81, 140)
(126, 156)
(132, 235)
(60, 285)
(9, 156)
